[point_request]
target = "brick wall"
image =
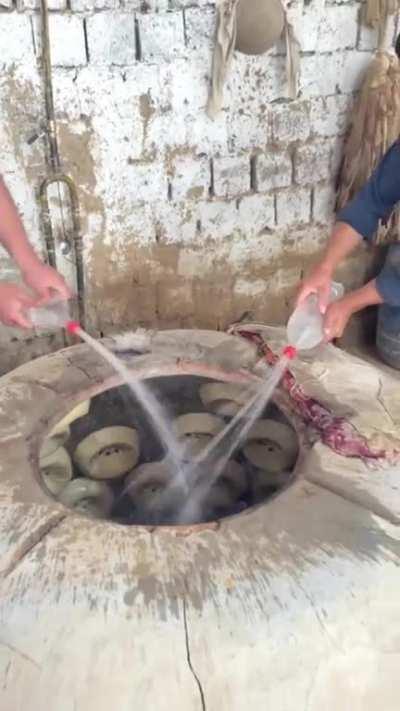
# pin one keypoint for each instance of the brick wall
(186, 221)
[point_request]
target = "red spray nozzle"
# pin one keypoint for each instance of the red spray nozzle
(290, 352)
(73, 327)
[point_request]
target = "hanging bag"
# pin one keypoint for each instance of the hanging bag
(251, 27)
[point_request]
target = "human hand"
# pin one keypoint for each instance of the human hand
(46, 281)
(337, 316)
(14, 302)
(319, 283)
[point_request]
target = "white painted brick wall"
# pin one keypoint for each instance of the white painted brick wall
(161, 36)
(307, 24)
(131, 80)
(187, 90)
(338, 28)
(321, 74)
(147, 5)
(65, 93)
(15, 39)
(208, 136)
(182, 4)
(67, 40)
(312, 162)
(21, 163)
(325, 28)
(353, 70)
(165, 134)
(218, 219)
(254, 81)
(149, 182)
(35, 4)
(231, 175)
(323, 204)
(256, 214)
(274, 170)
(200, 28)
(89, 5)
(175, 222)
(290, 121)
(111, 40)
(329, 115)
(190, 177)
(293, 206)
(246, 131)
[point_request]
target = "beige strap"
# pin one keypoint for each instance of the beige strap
(377, 11)
(376, 15)
(223, 52)
(292, 59)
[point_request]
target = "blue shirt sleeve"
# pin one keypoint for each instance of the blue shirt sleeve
(376, 200)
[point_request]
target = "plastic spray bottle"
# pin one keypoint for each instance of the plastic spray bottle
(52, 315)
(305, 328)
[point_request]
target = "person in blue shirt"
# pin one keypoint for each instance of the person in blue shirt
(359, 220)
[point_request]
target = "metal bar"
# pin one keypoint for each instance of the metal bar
(56, 175)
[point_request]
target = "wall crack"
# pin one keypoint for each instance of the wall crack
(31, 541)
(189, 660)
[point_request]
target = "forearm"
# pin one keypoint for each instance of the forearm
(339, 312)
(367, 295)
(343, 241)
(12, 233)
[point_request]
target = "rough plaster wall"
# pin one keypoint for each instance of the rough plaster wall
(186, 221)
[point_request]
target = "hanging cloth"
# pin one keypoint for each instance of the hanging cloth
(225, 39)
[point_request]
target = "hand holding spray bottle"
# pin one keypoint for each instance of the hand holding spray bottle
(305, 328)
(53, 315)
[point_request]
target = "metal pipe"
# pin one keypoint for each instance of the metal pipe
(57, 176)
(48, 87)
